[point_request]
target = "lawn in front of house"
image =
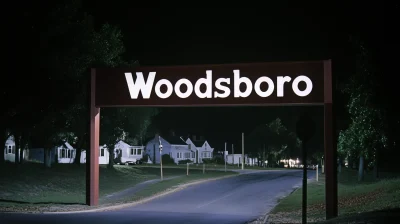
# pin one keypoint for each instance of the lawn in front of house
(353, 197)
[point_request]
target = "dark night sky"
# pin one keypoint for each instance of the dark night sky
(240, 33)
(270, 32)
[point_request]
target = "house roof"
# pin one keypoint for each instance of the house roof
(175, 140)
(68, 145)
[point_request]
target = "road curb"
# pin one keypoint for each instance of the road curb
(130, 204)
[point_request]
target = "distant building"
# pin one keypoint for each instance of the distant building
(237, 159)
(173, 146)
(10, 151)
(202, 147)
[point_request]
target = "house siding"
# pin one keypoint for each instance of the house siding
(126, 149)
(152, 149)
(10, 151)
(184, 153)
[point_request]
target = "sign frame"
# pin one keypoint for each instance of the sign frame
(100, 96)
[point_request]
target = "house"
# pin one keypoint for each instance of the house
(63, 153)
(237, 159)
(290, 162)
(66, 153)
(104, 155)
(204, 150)
(180, 150)
(125, 153)
(9, 150)
(173, 146)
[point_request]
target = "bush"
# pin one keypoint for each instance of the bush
(166, 159)
(185, 161)
(145, 158)
(219, 160)
(207, 161)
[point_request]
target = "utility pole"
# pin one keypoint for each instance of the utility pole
(242, 151)
(160, 147)
(233, 156)
(225, 156)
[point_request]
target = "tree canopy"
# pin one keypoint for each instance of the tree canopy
(68, 45)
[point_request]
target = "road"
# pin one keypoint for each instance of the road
(232, 200)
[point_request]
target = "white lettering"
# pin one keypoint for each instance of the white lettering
(257, 86)
(169, 91)
(178, 85)
(206, 81)
(237, 80)
(140, 85)
(295, 86)
(280, 84)
(223, 86)
(225, 89)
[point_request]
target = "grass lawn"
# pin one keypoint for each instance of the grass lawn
(354, 197)
(32, 183)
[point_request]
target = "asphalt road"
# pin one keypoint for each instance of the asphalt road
(232, 200)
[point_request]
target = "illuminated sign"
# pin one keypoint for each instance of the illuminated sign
(145, 87)
(228, 84)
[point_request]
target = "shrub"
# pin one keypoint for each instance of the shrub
(166, 159)
(145, 158)
(185, 161)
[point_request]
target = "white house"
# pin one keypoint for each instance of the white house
(237, 159)
(180, 150)
(9, 150)
(125, 153)
(104, 155)
(173, 146)
(66, 153)
(204, 150)
(290, 162)
(63, 153)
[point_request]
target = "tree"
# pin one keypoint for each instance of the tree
(366, 132)
(72, 60)
(272, 141)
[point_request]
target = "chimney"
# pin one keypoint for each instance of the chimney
(156, 137)
(194, 137)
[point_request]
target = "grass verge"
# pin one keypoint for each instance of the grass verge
(354, 197)
(32, 187)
